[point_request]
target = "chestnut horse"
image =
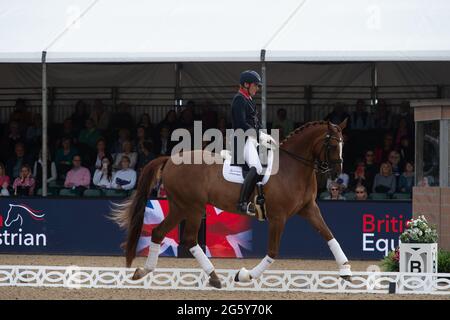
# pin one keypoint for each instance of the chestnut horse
(316, 146)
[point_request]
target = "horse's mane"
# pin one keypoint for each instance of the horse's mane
(302, 128)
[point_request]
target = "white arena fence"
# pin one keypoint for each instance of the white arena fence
(75, 277)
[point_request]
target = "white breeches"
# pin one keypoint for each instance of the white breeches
(251, 156)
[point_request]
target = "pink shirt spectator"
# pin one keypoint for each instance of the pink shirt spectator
(78, 177)
(3, 180)
(27, 182)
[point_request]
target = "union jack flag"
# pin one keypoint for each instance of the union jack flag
(227, 234)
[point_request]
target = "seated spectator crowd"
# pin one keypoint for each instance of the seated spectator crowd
(97, 152)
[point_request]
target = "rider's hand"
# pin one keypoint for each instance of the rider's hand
(267, 140)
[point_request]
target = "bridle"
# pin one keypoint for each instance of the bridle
(322, 166)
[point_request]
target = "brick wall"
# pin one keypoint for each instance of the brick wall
(434, 203)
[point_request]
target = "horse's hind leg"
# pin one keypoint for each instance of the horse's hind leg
(192, 226)
(313, 215)
(171, 221)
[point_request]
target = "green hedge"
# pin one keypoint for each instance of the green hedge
(390, 263)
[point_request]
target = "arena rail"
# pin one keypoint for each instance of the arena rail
(75, 277)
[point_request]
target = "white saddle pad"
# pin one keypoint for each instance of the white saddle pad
(234, 173)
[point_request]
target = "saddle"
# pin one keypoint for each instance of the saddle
(236, 174)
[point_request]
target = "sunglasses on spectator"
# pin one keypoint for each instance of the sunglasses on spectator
(334, 189)
(359, 191)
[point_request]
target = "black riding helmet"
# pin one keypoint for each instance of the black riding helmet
(250, 76)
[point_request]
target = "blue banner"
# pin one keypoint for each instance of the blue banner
(365, 230)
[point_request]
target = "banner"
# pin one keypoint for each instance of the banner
(365, 229)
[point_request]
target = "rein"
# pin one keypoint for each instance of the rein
(322, 166)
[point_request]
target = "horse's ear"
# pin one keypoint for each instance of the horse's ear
(343, 124)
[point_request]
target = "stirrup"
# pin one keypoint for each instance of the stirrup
(247, 208)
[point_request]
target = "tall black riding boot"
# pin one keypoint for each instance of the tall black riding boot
(246, 190)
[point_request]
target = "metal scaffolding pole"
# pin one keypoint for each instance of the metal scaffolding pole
(263, 90)
(44, 125)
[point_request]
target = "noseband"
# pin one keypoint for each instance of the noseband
(322, 166)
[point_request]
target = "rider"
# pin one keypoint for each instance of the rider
(245, 117)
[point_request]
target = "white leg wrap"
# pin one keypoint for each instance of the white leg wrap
(344, 269)
(265, 263)
(152, 258)
(339, 255)
(202, 259)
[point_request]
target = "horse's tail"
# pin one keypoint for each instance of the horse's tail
(129, 215)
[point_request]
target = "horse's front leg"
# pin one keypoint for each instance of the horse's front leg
(313, 215)
(276, 227)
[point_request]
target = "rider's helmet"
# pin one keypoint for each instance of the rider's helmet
(250, 76)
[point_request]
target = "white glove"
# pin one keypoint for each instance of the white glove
(267, 140)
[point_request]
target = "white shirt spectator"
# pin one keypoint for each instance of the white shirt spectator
(124, 179)
(118, 157)
(101, 180)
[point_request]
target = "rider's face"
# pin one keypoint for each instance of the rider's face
(253, 89)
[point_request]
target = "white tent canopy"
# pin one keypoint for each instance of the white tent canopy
(205, 30)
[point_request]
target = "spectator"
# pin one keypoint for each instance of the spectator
(145, 156)
(402, 131)
(405, 150)
(89, 135)
(103, 176)
(125, 178)
(208, 117)
(187, 118)
(170, 121)
(406, 181)
(19, 159)
(21, 115)
(67, 131)
(51, 167)
(101, 152)
(382, 117)
(64, 156)
(384, 181)
(341, 180)
(282, 122)
(100, 116)
(122, 117)
(146, 122)
(338, 114)
(34, 131)
(358, 178)
(394, 160)
(335, 192)
(24, 184)
(12, 138)
(382, 153)
(80, 115)
(78, 178)
(127, 148)
(141, 136)
(360, 119)
(164, 145)
(361, 192)
(4, 181)
(370, 168)
(124, 135)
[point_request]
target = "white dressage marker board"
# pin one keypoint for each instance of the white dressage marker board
(195, 279)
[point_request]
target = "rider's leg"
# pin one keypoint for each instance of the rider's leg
(252, 159)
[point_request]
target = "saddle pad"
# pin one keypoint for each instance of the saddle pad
(234, 173)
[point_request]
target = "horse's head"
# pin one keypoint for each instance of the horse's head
(15, 214)
(329, 149)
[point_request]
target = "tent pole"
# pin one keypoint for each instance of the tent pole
(263, 90)
(44, 125)
(374, 77)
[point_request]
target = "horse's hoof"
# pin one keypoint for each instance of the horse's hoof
(139, 274)
(347, 278)
(215, 282)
